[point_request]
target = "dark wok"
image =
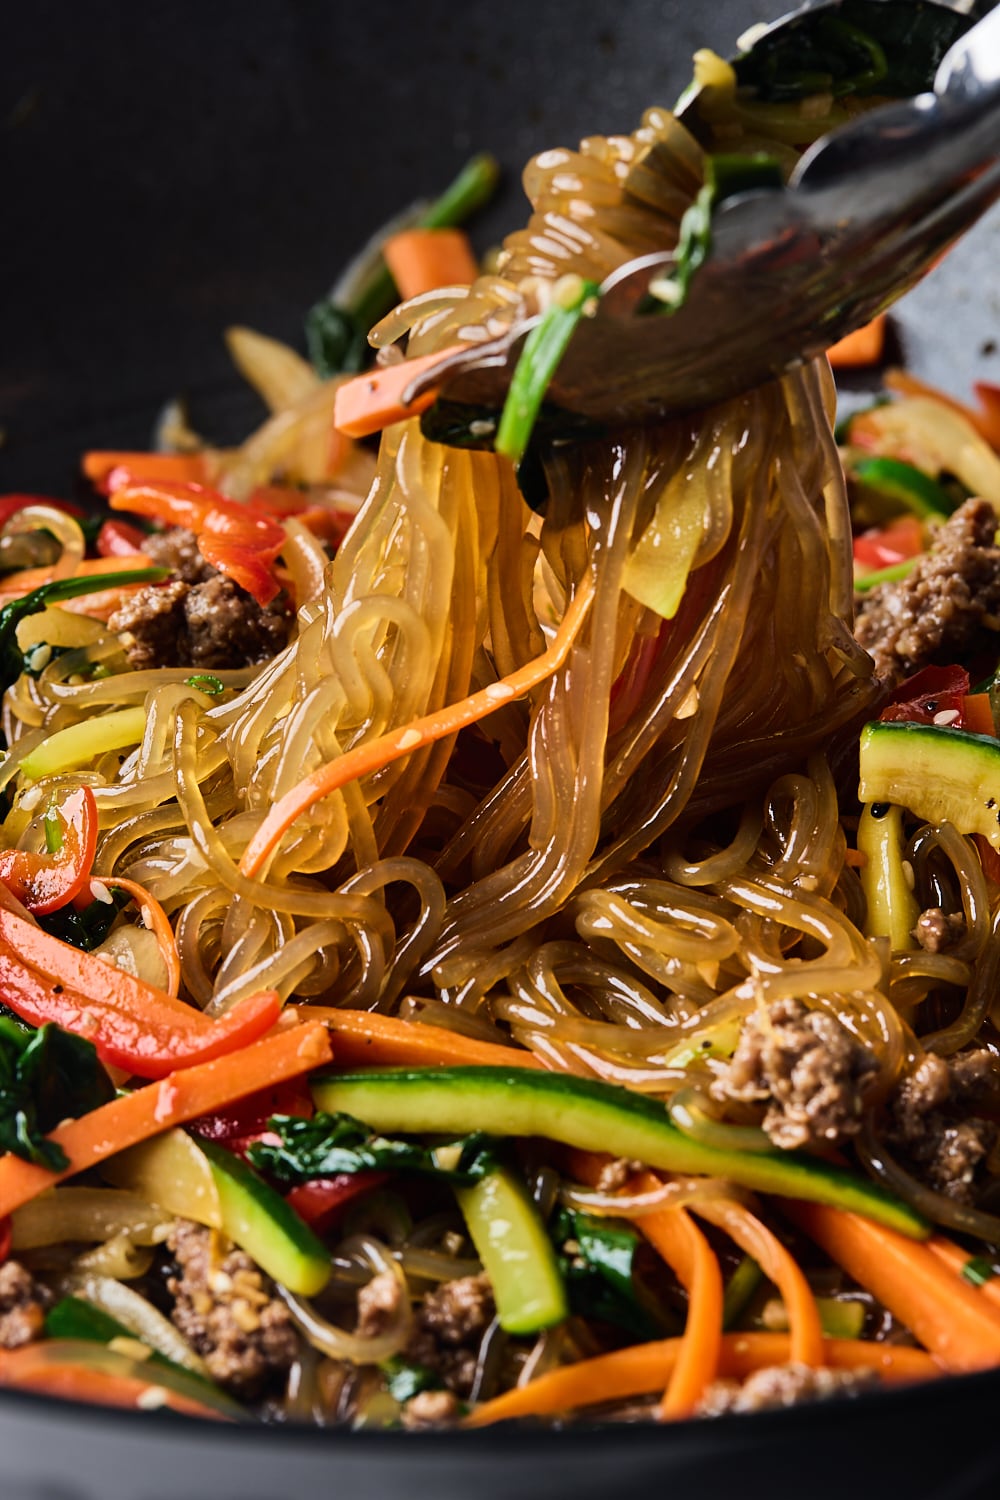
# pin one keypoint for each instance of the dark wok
(170, 169)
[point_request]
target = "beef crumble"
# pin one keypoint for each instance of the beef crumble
(200, 618)
(938, 930)
(225, 1307)
(808, 1069)
(783, 1385)
(23, 1302)
(931, 1123)
(946, 609)
(449, 1325)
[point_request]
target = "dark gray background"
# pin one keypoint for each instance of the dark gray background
(168, 169)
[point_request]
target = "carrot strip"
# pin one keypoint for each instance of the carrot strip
(378, 398)
(99, 1388)
(372, 756)
(366, 1039)
(642, 1369)
(15, 585)
(145, 468)
(159, 924)
(862, 347)
(681, 1243)
(779, 1266)
(421, 260)
(181, 1096)
(956, 1259)
(960, 1327)
(675, 1236)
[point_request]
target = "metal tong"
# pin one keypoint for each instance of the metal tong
(868, 210)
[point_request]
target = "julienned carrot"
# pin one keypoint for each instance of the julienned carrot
(16, 585)
(952, 1319)
(145, 468)
(158, 923)
(421, 260)
(379, 397)
(181, 1096)
(862, 347)
(643, 1369)
(683, 1246)
(675, 1236)
(24, 1370)
(372, 756)
(778, 1265)
(365, 1039)
(962, 1263)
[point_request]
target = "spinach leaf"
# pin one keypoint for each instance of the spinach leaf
(892, 48)
(330, 1144)
(45, 1077)
(11, 660)
(337, 343)
(405, 1379)
(598, 1262)
(87, 928)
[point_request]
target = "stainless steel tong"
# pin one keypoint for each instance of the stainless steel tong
(868, 210)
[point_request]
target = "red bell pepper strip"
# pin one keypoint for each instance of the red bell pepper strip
(889, 544)
(238, 540)
(6, 1237)
(133, 1025)
(246, 1121)
(45, 882)
(928, 694)
(150, 1042)
(119, 539)
(324, 1201)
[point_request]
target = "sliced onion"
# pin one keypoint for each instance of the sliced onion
(137, 1315)
(671, 1194)
(688, 1113)
(87, 1215)
(336, 1342)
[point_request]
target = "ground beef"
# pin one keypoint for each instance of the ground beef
(22, 1306)
(930, 1122)
(448, 1329)
(937, 930)
(808, 1069)
(783, 1385)
(378, 1305)
(177, 549)
(226, 1309)
(431, 1409)
(947, 609)
(200, 618)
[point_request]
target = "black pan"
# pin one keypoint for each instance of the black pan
(170, 169)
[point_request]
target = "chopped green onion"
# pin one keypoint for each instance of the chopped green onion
(892, 574)
(902, 481)
(205, 682)
(740, 1288)
(471, 190)
(573, 298)
(978, 1271)
(53, 831)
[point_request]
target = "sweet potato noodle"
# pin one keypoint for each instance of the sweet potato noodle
(612, 874)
